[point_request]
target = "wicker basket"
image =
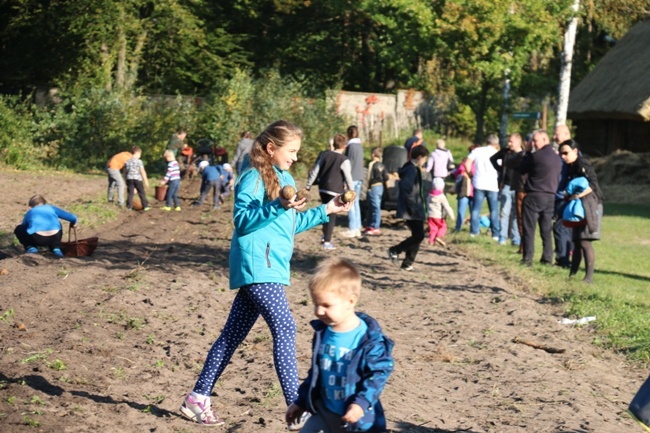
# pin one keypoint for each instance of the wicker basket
(78, 247)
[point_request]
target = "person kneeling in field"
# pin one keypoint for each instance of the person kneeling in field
(351, 358)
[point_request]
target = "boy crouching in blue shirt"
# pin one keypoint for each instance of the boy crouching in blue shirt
(351, 358)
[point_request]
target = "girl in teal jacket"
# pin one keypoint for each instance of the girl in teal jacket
(260, 252)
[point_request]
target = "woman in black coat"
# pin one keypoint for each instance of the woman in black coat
(592, 201)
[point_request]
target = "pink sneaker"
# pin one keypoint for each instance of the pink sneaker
(199, 411)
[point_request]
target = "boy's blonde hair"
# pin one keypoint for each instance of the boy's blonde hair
(336, 275)
(168, 154)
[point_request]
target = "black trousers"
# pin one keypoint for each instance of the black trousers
(411, 245)
(37, 240)
(538, 208)
(328, 227)
(132, 184)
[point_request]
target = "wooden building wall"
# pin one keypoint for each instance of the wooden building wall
(604, 136)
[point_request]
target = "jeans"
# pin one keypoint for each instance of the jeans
(215, 186)
(172, 192)
(115, 180)
(493, 205)
(354, 215)
(562, 236)
(507, 223)
(463, 204)
(374, 198)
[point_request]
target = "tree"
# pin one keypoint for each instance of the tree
(162, 46)
(565, 69)
(482, 41)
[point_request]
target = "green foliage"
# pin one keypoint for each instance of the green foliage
(104, 54)
(87, 126)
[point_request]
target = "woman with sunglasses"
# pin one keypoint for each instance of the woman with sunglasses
(592, 200)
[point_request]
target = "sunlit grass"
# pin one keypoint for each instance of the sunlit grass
(618, 296)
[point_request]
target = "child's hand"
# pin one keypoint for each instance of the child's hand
(295, 204)
(354, 414)
(294, 412)
(336, 205)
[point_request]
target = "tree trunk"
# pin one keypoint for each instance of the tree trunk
(134, 63)
(107, 67)
(479, 113)
(120, 72)
(565, 70)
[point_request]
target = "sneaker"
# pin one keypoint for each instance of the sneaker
(322, 239)
(166, 208)
(328, 246)
(502, 241)
(31, 250)
(217, 207)
(299, 423)
(146, 209)
(441, 242)
(356, 233)
(371, 231)
(495, 238)
(57, 252)
(200, 412)
(177, 208)
(407, 268)
(392, 254)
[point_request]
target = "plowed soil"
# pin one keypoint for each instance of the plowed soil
(113, 342)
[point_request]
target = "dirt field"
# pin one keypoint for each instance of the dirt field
(113, 342)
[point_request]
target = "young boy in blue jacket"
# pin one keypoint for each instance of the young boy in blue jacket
(351, 358)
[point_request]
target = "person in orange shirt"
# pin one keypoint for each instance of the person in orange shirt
(115, 179)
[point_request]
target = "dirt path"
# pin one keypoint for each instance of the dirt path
(113, 342)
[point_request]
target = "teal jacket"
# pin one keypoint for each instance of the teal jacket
(262, 243)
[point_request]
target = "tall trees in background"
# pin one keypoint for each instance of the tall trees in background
(460, 49)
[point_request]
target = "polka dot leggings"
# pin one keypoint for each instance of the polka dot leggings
(269, 300)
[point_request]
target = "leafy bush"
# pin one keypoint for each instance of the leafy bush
(86, 126)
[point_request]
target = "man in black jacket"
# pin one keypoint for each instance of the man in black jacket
(543, 167)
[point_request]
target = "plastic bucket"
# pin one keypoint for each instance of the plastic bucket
(161, 192)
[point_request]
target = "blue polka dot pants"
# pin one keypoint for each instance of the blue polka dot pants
(270, 301)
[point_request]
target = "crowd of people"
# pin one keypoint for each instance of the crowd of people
(525, 184)
(528, 182)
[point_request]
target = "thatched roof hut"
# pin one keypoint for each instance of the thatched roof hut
(611, 106)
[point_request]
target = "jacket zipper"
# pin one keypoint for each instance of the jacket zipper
(268, 250)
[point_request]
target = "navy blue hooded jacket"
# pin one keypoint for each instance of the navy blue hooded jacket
(367, 374)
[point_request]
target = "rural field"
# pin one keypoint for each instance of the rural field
(113, 342)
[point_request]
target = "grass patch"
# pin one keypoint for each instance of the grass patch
(618, 296)
(93, 214)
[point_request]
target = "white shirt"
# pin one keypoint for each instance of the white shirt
(485, 176)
